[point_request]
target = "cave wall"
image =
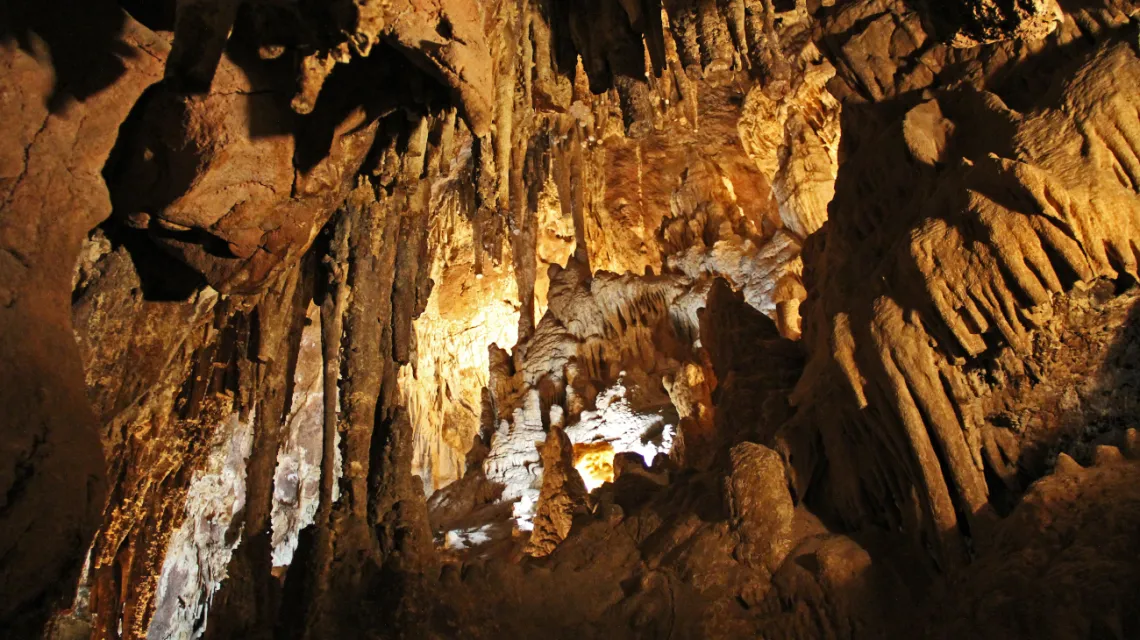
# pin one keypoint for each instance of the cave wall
(962, 286)
(59, 127)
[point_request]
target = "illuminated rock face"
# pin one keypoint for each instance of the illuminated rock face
(435, 318)
(616, 424)
(1053, 230)
(200, 549)
(296, 481)
(469, 309)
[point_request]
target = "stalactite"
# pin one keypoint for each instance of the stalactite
(1013, 282)
(279, 319)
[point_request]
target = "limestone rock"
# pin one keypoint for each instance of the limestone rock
(988, 301)
(71, 75)
(219, 180)
(636, 319)
(1060, 541)
(561, 496)
(981, 21)
(757, 494)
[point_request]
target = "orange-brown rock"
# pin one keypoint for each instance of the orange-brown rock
(561, 496)
(70, 77)
(633, 319)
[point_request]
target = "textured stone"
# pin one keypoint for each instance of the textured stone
(71, 75)
(561, 496)
(761, 507)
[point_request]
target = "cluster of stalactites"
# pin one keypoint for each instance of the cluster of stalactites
(983, 243)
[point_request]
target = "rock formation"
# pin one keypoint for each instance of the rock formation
(613, 318)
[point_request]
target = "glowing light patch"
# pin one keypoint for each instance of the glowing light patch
(460, 539)
(615, 427)
(595, 463)
(623, 428)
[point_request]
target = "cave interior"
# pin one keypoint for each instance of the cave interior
(647, 319)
